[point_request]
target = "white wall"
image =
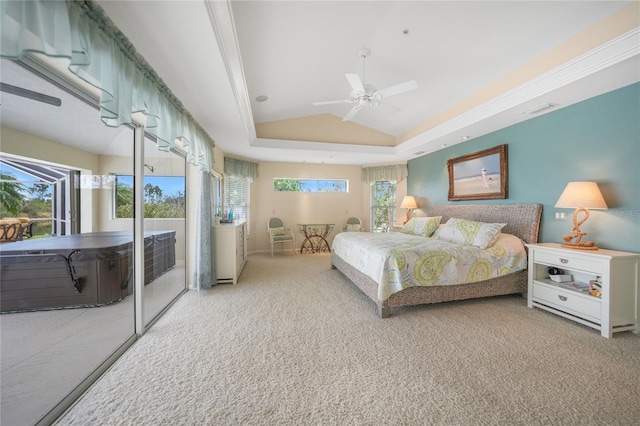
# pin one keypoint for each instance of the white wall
(300, 207)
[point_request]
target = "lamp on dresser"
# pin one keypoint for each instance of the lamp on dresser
(581, 196)
(409, 203)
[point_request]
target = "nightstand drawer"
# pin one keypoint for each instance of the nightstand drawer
(568, 301)
(567, 261)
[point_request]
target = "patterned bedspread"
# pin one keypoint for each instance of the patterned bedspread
(397, 260)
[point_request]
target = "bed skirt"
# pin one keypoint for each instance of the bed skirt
(522, 220)
(508, 284)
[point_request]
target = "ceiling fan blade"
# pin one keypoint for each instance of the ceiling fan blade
(355, 82)
(389, 106)
(19, 91)
(351, 113)
(344, 101)
(398, 88)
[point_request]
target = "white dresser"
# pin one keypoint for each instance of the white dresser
(617, 272)
(231, 251)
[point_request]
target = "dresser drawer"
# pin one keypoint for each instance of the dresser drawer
(562, 260)
(568, 301)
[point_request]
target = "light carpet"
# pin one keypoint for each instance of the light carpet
(294, 342)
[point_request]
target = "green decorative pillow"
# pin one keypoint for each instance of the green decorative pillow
(277, 231)
(471, 233)
(353, 227)
(423, 226)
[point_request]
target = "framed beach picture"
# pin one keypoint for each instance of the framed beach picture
(479, 176)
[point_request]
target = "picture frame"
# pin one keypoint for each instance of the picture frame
(482, 175)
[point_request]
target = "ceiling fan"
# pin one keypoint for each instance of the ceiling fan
(367, 95)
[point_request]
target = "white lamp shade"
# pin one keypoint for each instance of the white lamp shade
(581, 195)
(408, 202)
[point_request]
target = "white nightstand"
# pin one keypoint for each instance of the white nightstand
(617, 308)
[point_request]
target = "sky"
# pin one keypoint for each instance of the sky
(471, 168)
(319, 185)
(6, 170)
(171, 185)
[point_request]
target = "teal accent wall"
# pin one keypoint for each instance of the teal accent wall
(594, 140)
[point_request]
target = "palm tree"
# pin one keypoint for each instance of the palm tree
(152, 193)
(11, 195)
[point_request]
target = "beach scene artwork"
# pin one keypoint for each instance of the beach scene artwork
(477, 176)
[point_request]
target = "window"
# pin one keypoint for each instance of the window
(45, 194)
(236, 198)
(310, 185)
(383, 206)
(163, 197)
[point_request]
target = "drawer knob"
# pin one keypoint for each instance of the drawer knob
(564, 260)
(563, 298)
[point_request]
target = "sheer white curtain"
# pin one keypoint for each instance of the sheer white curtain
(204, 275)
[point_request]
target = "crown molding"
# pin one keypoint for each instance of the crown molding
(606, 55)
(323, 146)
(223, 24)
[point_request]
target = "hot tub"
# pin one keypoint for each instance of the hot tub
(79, 270)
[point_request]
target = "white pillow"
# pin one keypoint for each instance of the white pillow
(471, 233)
(353, 227)
(423, 226)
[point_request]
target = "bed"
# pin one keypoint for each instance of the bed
(79, 270)
(522, 221)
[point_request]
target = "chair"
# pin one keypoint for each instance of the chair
(11, 230)
(279, 234)
(28, 230)
(352, 224)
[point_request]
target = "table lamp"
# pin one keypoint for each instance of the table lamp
(409, 203)
(581, 196)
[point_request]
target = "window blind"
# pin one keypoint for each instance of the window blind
(236, 197)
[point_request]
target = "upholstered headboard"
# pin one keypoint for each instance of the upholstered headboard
(523, 220)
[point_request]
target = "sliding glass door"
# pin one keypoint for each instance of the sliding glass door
(71, 299)
(67, 288)
(164, 191)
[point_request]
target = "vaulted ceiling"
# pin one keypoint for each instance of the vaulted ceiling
(478, 65)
